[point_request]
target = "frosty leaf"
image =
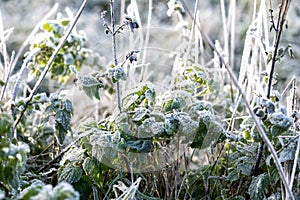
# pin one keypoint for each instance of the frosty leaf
(158, 129)
(199, 106)
(117, 74)
(68, 106)
(140, 115)
(287, 154)
(92, 170)
(129, 101)
(256, 188)
(172, 124)
(65, 191)
(103, 145)
(90, 85)
(62, 125)
(32, 190)
(70, 174)
(73, 155)
(245, 168)
(174, 104)
(68, 59)
(150, 128)
(188, 126)
(233, 175)
(281, 120)
(140, 146)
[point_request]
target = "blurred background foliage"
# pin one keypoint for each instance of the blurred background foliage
(24, 15)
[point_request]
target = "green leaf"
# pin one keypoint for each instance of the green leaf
(174, 104)
(2, 83)
(65, 21)
(257, 185)
(70, 174)
(93, 171)
(6, 122)
(47, 27)
(10, 177)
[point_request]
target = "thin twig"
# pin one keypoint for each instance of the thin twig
(278, 32)
(288, 85)
(257, 123)
(7, 63)
(295, 163)
(50, 61)
(146, 42)
(7, 76)
(22, 71)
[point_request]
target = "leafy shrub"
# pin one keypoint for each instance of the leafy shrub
(203, 135)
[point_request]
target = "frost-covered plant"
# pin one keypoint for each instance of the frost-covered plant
(73, 53)
(38, 190)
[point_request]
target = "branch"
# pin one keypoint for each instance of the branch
(51, 59)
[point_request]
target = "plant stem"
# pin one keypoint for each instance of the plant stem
(278, 32)
(114, 49)
(49, 63)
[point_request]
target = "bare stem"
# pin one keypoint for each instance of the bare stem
(114, 49)
(49, 63)
(278, 30)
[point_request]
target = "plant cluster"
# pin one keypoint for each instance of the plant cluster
(208, 135)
